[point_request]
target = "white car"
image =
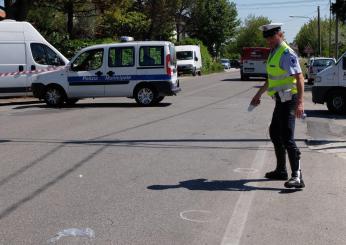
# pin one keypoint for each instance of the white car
(317, 65)
(145, 71)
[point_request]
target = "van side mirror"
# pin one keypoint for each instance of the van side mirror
(344, 63)
(196, 58)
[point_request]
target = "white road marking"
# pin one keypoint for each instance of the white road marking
(205, 216)
(235, 227)
(245, 170)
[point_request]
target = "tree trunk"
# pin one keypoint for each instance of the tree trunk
(69, 7)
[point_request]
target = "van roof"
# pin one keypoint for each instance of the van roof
(19, 31)
(125, 44)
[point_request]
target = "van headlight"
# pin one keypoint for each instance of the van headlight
(318, 79)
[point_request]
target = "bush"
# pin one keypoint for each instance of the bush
(69, 47)
(209, 65)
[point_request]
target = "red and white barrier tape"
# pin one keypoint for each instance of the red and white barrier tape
(56, 68)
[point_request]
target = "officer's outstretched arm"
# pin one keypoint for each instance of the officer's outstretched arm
(257, 98)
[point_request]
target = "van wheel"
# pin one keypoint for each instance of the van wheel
(159, 99)
(71, 101)
(54, 96)
(199, 73)
(145, 96)
(194, 72)
(336, 102)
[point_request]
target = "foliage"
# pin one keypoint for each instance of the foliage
(249, 34)
(213, 22)
(308, 36)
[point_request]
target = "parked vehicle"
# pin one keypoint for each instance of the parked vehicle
(235, 64)
(330, 87)
(316, 65)
(145, 71)
(226, 63)
(23, 53)
(189, 59)
(253, 62)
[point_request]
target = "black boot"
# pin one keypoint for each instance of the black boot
(295, 182)
(280, 173)
(277, 175)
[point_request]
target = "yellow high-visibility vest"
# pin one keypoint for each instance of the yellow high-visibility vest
(279, 79)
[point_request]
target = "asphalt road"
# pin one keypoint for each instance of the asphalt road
(189, 171)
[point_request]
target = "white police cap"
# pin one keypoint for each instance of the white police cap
(270, 29)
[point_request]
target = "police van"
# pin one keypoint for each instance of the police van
(145, 71)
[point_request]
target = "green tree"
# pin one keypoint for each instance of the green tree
(213, 22)
(308, 36)
(249, 34)
(125, 20)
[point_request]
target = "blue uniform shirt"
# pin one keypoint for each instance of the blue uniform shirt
(289, 62)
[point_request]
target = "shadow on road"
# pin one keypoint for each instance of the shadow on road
(324, 114)
(238, 80)
(14, 103)
(92, 105)
(221, 185)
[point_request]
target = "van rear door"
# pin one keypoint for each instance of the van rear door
(151, 66)
(121, 69)
(13, 60)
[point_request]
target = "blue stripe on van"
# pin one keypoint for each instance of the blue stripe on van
(114, 80)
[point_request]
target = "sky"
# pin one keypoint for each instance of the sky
(281, 10)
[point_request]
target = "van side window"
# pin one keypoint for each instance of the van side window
(344, 63)
(173, 55)
(88, 61)
(43, 55)
(121, 57)
(151, 56)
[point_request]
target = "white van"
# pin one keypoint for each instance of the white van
(253, 62)
(317, 65)
(330, 87)
(23, 52)
(189, 59)
(145, 71)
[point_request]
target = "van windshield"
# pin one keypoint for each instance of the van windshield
(323, 62)
(185, 55)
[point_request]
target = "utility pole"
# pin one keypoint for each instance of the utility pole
(336, 36)
(319, 31)
(330, 28)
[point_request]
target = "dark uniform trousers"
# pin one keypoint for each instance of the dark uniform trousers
(282, 134)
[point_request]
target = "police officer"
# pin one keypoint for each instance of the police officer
(285, 84)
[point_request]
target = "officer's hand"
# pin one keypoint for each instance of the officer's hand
(300, 109)
(256, 100)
